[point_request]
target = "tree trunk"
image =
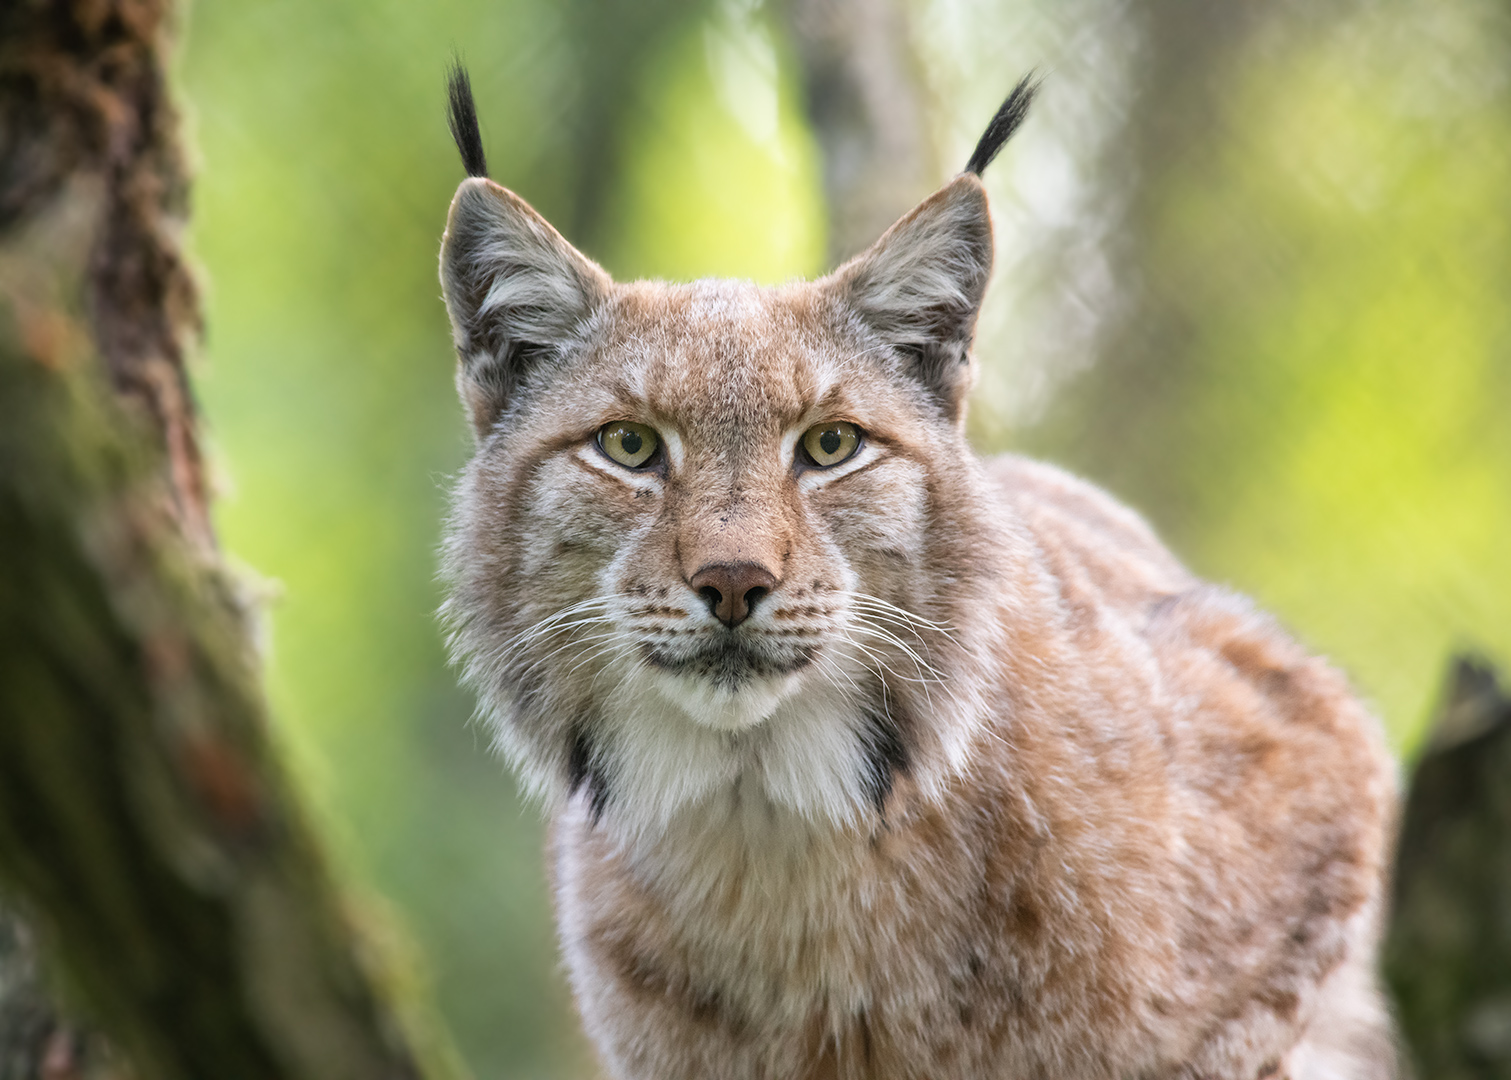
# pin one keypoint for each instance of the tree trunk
(1448, 956)
(35, 1041)
(147, 832)
(861, 86)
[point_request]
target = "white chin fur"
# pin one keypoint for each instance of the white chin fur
(721, 708)
(671, 747)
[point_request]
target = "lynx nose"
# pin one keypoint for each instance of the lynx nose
(732, 589)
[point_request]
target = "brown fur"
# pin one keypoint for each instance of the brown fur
(988, 785)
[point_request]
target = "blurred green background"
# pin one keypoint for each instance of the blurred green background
(1252, 270)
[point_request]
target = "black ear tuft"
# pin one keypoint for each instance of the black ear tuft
(1007, 120)
(462, 117)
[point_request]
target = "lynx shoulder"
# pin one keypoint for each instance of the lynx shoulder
(866, 757)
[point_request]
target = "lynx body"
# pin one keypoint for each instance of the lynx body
(867, 758)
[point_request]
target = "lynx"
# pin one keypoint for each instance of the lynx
(867, 758)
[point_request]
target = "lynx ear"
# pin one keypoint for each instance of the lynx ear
(518, 294)
(920, 286)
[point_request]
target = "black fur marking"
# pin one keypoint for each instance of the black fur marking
(462, 117)
(886, 755)
(583, 770)
(1007, 121)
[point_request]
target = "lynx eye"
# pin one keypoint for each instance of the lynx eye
(829, 444)
(632, 445)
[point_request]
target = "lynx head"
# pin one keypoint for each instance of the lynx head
(718, 537)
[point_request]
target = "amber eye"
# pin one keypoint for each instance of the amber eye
(829, 444)
(632, 445)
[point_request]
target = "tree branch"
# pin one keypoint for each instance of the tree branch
(147, 828)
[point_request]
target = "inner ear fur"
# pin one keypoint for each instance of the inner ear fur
(920, 287)
(518, 294)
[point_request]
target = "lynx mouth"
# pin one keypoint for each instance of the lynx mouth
(730, 663)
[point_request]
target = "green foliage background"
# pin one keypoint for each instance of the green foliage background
(1251, 276)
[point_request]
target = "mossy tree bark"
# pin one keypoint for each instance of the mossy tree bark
(148, 836)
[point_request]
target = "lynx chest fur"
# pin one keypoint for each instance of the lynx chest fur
(867, 758)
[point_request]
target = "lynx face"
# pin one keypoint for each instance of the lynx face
(715, 533)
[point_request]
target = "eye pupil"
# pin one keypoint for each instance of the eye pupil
(631, 445)
(826, 445)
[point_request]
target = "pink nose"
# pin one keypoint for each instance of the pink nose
(732, 589)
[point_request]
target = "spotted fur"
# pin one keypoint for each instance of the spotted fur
(987, 784)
